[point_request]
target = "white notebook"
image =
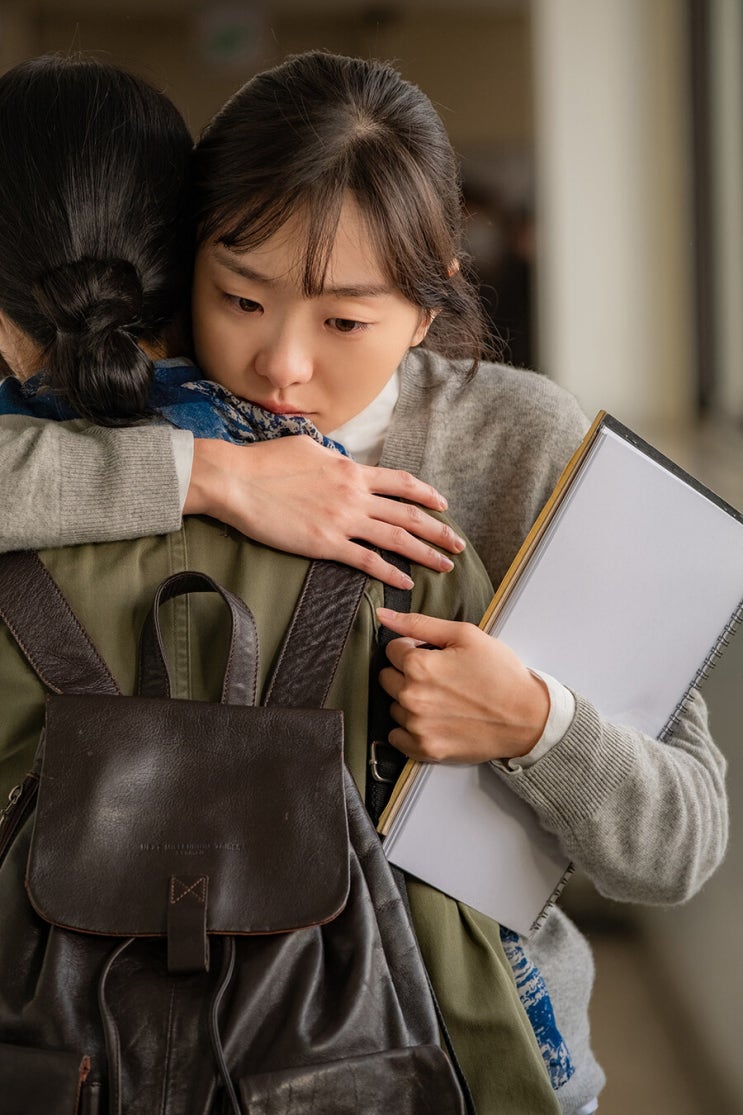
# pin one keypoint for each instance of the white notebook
(627, 588)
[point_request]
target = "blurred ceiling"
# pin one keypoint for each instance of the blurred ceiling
(380, 10)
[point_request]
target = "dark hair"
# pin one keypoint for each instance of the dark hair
(95, 252)
(300, 136)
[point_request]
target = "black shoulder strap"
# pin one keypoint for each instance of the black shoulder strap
(48, 633)
(385, 762)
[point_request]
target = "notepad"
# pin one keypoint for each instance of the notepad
(627, 589)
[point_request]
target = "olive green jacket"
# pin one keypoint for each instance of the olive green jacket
(110, 587)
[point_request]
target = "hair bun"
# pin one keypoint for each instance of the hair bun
(91, 296)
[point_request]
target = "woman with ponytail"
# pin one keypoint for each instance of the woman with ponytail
(95, 260)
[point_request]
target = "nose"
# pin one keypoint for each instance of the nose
(284, 357)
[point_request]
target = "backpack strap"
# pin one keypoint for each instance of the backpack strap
(41, 621)
(312, 647)
(385, 762)
(48, 633)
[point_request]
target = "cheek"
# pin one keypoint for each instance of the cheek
(200, 318)
(213, 336)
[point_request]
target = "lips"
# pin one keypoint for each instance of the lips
(282, 408)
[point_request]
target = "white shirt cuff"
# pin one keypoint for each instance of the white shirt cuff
(562, 711)
(182, 442)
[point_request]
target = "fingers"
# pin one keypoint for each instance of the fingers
(398, 541)
(397, 482)
(405, 519)
(425, 629)
(374, 565)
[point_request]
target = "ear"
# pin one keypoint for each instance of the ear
(428, 316)
(18, 352)
(4, 330)
(426, 321)
(7, 347)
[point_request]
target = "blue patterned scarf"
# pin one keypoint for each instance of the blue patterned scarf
(180, 397)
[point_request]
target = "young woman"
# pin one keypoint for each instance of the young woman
(328, 221)
(79, 338)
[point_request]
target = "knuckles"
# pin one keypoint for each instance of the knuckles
(418, 668)
(408, 482)
(414, 514)
(367, 561)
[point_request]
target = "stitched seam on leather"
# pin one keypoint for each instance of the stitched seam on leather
(200, 882)
(236, 605)
(254, 678)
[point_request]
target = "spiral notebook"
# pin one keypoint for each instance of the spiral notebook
(627, 589)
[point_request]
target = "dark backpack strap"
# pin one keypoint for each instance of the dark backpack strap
(313, 645)
(48, 633)
(385, 762)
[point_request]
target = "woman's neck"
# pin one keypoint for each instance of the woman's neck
(363, 435)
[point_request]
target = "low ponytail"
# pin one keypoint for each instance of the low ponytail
(95, 238)
(94, 361)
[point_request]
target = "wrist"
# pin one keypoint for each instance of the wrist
(209, 476)
(533, 716)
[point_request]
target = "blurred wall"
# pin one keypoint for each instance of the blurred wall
(613, 172)
(484, 95)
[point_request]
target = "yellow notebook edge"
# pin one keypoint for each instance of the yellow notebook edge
(410, 771)
(542, 521)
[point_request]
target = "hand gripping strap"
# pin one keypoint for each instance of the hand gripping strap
(49, 635)
(384, 761)
(313, 645)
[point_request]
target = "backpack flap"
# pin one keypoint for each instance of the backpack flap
(235, 822)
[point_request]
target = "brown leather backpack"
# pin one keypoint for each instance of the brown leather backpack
(196, 915)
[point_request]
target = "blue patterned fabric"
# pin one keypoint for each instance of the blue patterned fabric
(181, 397)
(538, 1006)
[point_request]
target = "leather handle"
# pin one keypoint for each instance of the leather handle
(241, 674)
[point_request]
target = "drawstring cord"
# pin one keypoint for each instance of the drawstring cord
(228, 969)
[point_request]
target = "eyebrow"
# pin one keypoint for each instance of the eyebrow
(355, 290)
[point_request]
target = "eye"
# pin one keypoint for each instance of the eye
(346, 325)
(243, 305)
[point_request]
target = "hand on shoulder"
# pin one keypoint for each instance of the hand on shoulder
(297, 496)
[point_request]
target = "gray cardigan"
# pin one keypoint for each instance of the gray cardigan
(646, 822)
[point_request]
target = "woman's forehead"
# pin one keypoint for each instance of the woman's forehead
(351, 266)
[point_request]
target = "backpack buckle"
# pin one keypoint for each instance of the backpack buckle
(374, 761)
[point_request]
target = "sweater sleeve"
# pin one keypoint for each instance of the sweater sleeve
(645, 820)
(64, 483)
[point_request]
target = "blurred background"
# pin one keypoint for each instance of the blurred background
(602, 159)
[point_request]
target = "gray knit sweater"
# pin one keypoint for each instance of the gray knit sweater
(645, 821)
